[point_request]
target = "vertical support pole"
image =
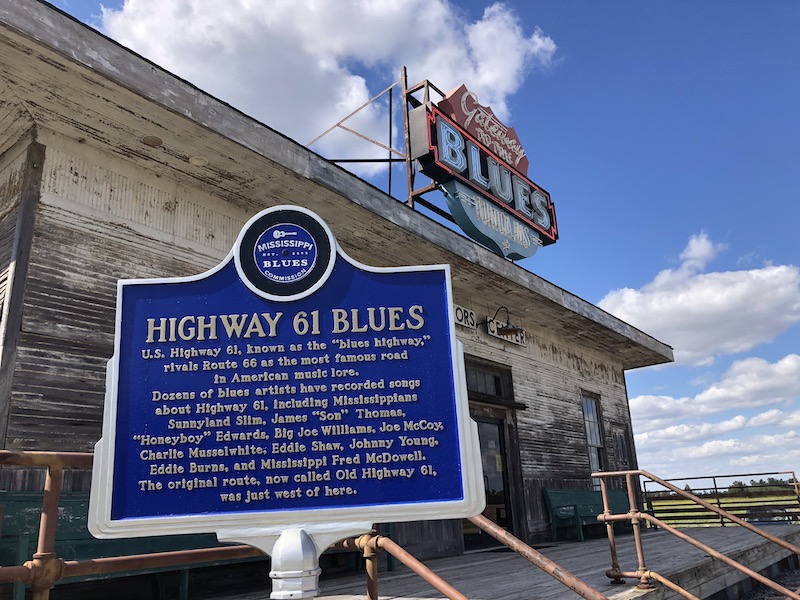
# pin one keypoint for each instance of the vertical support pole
(391, 120)
(612, 541)
(47, 524)
(644, 581)
(183, 590)
(371, 566)
(407, 135)
(295, 552)
(719, 503)
(47, 568)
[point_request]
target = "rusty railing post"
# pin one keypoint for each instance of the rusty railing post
(644, 580)
(717, 495)
(723, 558)
(45, 564)
(612, 574)
(407, 138)
(370, 553)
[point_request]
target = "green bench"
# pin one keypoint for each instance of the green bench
(579, 508)
(19, 530)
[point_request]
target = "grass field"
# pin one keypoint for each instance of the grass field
(754, 506)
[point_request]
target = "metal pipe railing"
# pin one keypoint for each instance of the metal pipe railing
(115, 564)
(673, 586)
(635, 516)
(373, 543)
(772, 538)
(538, 559)
(420, 569)
(45, 568)
(721, 557)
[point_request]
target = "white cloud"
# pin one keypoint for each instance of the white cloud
(748, 383)
(746, 446)
(656, 411)
(694, 431)
(754, 382)
(770, 417)
(771, 453)
(703, 315)
(673, 434)
(301, 65)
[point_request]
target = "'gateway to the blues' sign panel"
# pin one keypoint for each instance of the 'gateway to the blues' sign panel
(288, 380)
(482, 169)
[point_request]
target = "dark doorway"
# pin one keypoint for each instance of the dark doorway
(495, 481)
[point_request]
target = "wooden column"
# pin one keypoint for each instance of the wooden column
(11, 318)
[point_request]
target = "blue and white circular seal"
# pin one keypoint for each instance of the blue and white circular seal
(285, 253)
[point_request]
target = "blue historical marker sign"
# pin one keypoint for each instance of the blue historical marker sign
(289, 384)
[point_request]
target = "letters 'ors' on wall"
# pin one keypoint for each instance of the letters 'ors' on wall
(290, 384)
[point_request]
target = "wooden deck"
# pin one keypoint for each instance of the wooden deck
(502, 575)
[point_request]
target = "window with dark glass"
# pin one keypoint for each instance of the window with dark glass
(488, 383)
(594, 434)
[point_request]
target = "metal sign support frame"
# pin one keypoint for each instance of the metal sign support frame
(294, 552)
(414, 196)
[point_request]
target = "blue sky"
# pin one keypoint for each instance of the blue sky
(667, 133)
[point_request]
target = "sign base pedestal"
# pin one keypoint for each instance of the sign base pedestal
(295, 553)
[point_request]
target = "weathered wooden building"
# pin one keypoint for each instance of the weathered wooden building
(111, 167)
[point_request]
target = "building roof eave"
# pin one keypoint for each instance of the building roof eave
(80, 84)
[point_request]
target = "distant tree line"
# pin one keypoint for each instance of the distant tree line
(771, 484)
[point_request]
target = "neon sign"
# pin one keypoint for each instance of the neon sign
(482, 167)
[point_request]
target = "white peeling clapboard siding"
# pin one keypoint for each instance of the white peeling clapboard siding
(128, 196)
(98, 221)
(15, 121)
(7, 227)
(11, 177)
(548, 376)
(68, 322)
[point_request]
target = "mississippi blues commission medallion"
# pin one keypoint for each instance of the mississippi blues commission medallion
(286, 253)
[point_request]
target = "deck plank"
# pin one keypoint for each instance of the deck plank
(506, 576)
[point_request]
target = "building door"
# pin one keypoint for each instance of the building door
(495, 481)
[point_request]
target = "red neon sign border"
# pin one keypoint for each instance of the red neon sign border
(551, 234)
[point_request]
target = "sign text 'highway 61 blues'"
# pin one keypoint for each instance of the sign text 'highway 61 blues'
(288, 387)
